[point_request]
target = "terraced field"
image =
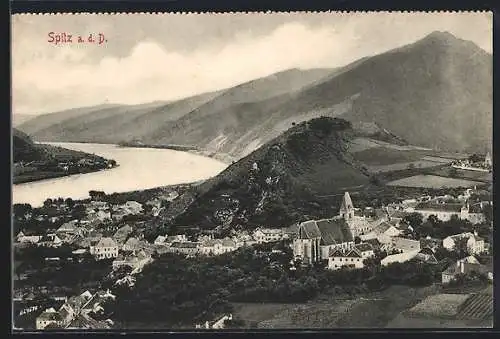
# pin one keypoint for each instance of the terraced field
(477, 306)
(433, 181)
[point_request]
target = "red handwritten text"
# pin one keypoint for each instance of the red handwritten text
(68, 38)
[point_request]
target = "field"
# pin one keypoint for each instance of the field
(477, 306)
(402, 166)
(439, 305)
(379, 156)
(364, 311)
(450, 310)
(433, 181)
(464, 174)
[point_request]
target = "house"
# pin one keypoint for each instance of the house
(70, 227)
(220, 324)
(188, 248)
(122, 234)
(383, 228)
(98, 215)
(263, 235)
(160, 240)
(50, 240)
(48, 317)
(474, 243)
(31, 239)
(134, 244)
(431, 243)
(176, 238)
(463, 267)
(317, 237)
(244, 240)
(426, 255)
(399, 258)
(351, 258)
(136, 261)
(365, 249)
(133, 207)
(444, 211)
(106, 248)
(404, 244)
(217, 246)
(85, 321)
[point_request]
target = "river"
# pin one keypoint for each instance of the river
(139, 168)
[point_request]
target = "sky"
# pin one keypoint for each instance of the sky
(150, 57)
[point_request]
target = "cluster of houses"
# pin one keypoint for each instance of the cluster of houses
(207, 245)
(333, 240)
(466, 164)
(76, 313)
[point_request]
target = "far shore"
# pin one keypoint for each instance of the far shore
(222, 157)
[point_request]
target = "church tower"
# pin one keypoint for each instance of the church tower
(346, 208)
(487, 160)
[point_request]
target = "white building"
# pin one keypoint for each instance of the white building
(345, 258)
(48, 317)
(475, 244)
(365, 249)
(399, 258)
(217, 246)
(106, 248)
(445, 211)
(263, 235)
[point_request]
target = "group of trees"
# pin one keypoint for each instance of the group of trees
(436, 228)
(178, 291)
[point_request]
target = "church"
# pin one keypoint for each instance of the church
(317, 238)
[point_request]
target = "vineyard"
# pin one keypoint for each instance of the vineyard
(477, 306)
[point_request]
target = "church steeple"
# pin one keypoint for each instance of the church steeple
(347, 208)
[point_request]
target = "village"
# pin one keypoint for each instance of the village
(111, 235)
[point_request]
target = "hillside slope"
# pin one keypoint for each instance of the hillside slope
(436, 92)
(154, 123)
(282, 180)
(23, 148)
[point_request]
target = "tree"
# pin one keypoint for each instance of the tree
(475, 158)
(97, 195)
(48, 202)
(461, 247)
(414, 220)
(452, 172)
(22, 210)
(357, 240)
(79, 212)
(70, 203)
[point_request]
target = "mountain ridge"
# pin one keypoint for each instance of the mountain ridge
(440, 85)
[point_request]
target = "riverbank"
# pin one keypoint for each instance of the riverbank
(25, 178)
(222, 157)
(139, 169)
(59, 162)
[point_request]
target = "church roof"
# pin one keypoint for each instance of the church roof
(331, 231)
(346, 203)
(309, 230)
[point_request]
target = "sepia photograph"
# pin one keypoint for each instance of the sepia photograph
(252, 171)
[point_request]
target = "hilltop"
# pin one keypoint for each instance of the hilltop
(441, 86)
(281, 181)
